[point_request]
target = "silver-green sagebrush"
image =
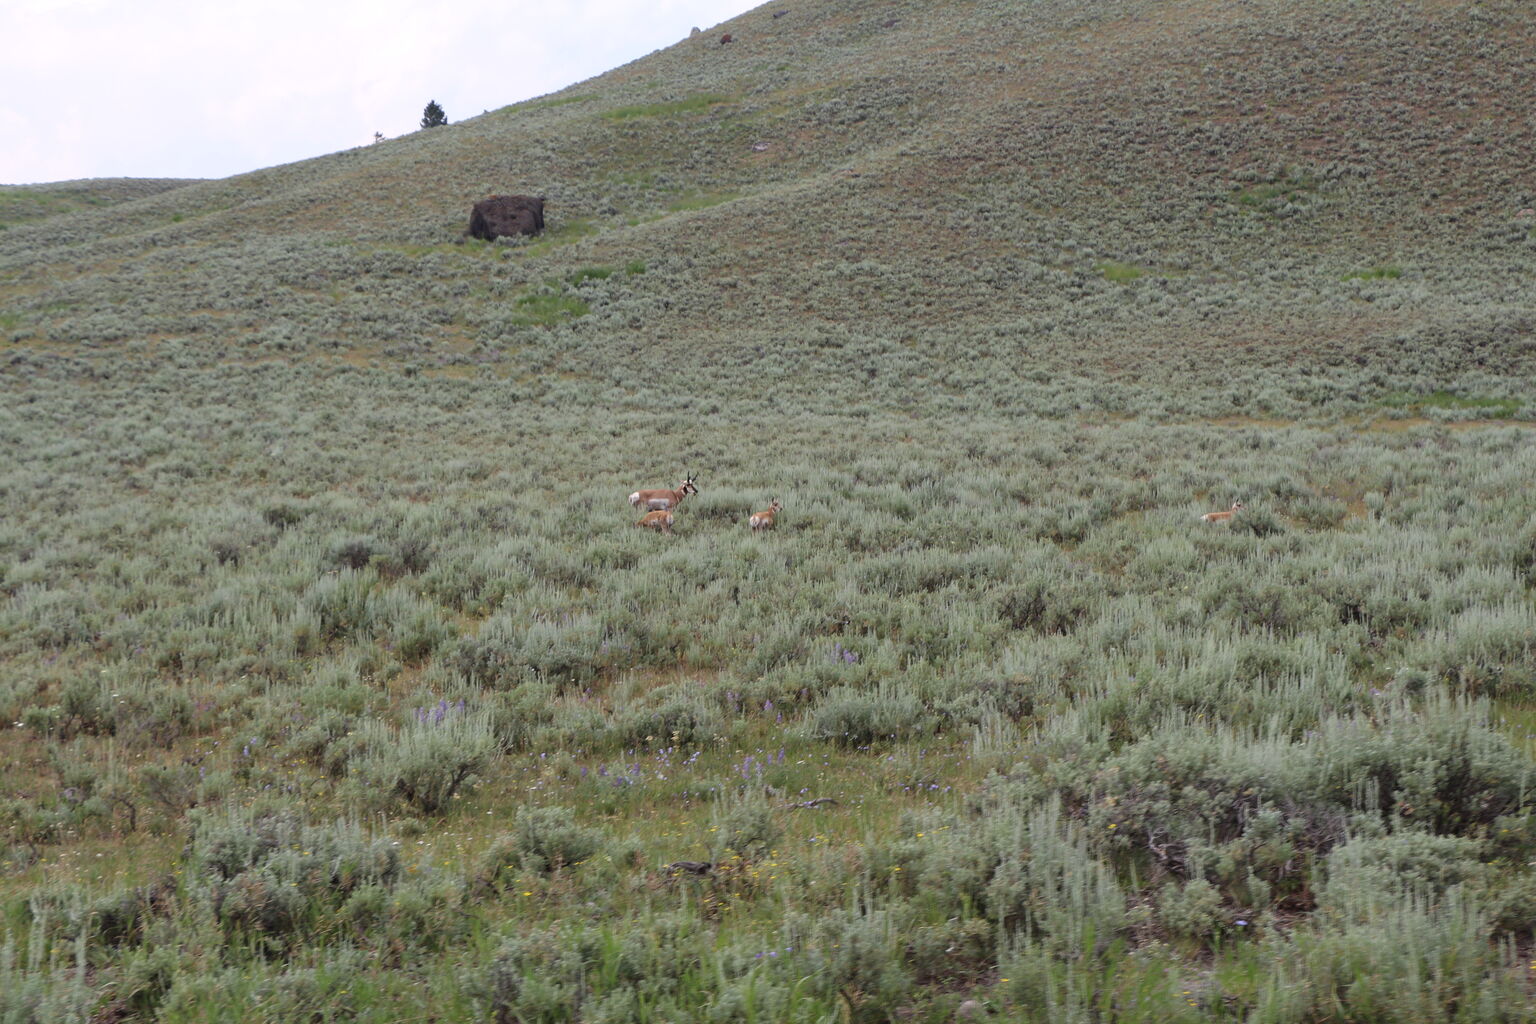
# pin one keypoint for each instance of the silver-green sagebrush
(338, 684)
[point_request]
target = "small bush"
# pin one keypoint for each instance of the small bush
(271, 878)
(353, 552)
(744, 825)
(543, 840)
(856, 955)
(852, 718)
(675, 718)
(1407, 959)
(1044, 606)
(430, 760)
(1368, 871)
(1192, 910)
(283, 515)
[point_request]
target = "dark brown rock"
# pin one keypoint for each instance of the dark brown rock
(507, 215)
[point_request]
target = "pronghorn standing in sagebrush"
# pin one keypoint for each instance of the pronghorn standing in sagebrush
(1221, 517)
(764, 520)
(656, 500)
(661, 520)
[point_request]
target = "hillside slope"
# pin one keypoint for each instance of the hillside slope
(337, 683)
(1199, 193)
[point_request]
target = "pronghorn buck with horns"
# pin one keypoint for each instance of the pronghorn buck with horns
(1221, 517)
(656, 500)
(764, 520)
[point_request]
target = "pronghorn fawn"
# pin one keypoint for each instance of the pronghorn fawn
(655, 500)
(764, 520)
(661, 519)
(1221, 517)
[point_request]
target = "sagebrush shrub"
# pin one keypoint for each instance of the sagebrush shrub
(428, 761)
(853, 718)
(543, 839)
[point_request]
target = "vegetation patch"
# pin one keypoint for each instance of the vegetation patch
(561, 234)
(562, 101)
(701, 201)
(590, 274)
(1386, 272)
(546, 309)
(337, 683)
(1279, 196)
(684, 106)
(1490, 408)
(1119, 273)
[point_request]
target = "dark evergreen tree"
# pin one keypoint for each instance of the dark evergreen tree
(433, 116)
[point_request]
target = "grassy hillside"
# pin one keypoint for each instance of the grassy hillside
(21, 203)
(339, 684)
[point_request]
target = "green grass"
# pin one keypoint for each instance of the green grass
(1387, 272)
(1289, 189)
(562, 234)
(701, 201)
(547, 310)
(562, 101)
(691, 105)
(1119, 273)
(591, 274)
(1491, 408)
(20, 204)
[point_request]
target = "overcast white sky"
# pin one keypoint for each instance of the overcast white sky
(210, 88)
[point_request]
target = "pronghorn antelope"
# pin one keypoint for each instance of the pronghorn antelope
(661, 499)
(1221, 517)
(764, 520)
(661, 520)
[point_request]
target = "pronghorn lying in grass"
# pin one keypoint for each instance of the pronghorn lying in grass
(661, 519)
(764, 520)
(1221, 517)
(662, 499)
